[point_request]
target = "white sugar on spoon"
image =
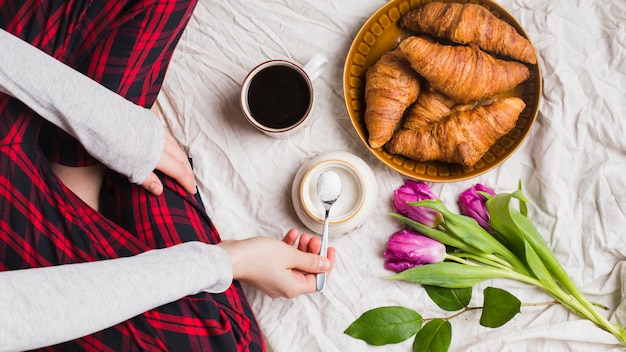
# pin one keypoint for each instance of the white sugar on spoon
(328, 190)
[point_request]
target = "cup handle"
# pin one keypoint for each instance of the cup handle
(315, 66)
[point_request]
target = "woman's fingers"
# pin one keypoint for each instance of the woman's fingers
(291, 237)
(153, 184)
(175, 164)
(277, 267)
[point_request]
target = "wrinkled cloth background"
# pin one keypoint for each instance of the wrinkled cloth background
(573, 165)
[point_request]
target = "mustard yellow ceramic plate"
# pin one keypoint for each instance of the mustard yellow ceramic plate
(381, 33)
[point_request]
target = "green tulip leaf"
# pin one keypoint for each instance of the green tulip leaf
(538, 267)
(523, 206)
(499, 210)
(464, 233)
(436, 235)
(435, 336)
(450, 275)
(385, 325)
(499, 307)
(522, 232)
(466, 229)
(449, 299)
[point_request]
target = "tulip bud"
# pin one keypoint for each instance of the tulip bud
(413, 191)
(472, 204)
(407, 249)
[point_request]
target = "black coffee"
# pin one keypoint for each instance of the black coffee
(278, 97)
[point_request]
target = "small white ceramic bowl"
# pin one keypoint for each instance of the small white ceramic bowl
(359, 193)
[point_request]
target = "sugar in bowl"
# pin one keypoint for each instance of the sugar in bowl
(359, 193)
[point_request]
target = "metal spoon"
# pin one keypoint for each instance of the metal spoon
(328, 189)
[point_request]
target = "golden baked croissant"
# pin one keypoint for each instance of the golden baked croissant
(464, 73)
(470, 23)
(391, 85)
(463, 138)
(431, 106)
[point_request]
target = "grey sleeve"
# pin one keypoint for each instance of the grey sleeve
(44, 306)
(123, 136)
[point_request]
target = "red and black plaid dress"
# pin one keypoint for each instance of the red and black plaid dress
(125, 45)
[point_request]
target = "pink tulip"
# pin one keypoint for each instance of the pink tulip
(407, 249)
(413, 191)
(472, 204)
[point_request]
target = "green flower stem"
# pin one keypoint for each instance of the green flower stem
(537, 304)
(506, 264)
(463, 311)
(460, 259)
(467, 309)
(513, 275)
(586, 310)
(451, 239)
(519, 227)
(563, 297)
(600, 305)
(599, 319)
(508, 256)
(467, 230)
(588, 307)
(488, 259)
(583, 308)
(435, 234)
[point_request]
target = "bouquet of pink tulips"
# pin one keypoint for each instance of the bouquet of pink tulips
(448, 254)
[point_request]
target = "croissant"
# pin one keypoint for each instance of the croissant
(470, 23)
(431, 106)
(391, 86)
(463, 138)
(464, 73)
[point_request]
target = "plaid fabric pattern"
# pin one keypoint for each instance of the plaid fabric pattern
(126, 45)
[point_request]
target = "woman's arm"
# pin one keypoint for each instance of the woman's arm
(123, 136)
(45, 306)
(120, 134)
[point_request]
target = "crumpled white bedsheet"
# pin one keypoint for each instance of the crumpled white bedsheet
(573, 165)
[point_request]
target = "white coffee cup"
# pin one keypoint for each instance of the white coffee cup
(277, 96)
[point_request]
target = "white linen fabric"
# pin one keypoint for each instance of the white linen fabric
(572, 165)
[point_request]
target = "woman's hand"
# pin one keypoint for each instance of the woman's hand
(277, 268)
(175, 164)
